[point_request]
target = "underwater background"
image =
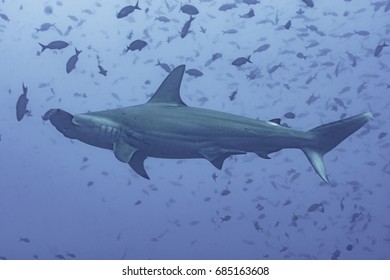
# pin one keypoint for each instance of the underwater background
(63, 199)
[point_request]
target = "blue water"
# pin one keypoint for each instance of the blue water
(65, 199)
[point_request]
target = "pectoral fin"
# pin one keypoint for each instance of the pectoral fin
(123, 151)
(137, 163)
(127, 153)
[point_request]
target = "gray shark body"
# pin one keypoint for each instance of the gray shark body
(165, 127)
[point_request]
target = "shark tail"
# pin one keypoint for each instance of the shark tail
(328, 136)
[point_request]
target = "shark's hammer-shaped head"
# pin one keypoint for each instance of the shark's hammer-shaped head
(61, 120)
(88, 128)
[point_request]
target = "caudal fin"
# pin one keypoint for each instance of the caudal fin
(137, 7)
(328, 136)
(43, 47)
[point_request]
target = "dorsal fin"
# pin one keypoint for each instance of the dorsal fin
(169, 90)
(276, 121)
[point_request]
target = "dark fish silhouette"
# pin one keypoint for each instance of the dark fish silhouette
(241, 61)
(164, 66)
(71, 64)
(225, 192)
(301, 55)
(232, 96)
(347, 35)
(382, 135)
(274, 68)
(189, 9)
(226, 218)
(55, 45)
(138, 202)
(194, 223)
(230, 31)
(257, 226)
(21, 105)
(379, 49)
(259, 207)
(352, 58)
(102, 71)
(194, 72)
(361, 87)
(355, 216)
(186, 27)
(226, 7)
(310, 79)
(342, 204)
(362, 33)
(309, 3)
(60, 257)
(339, 102)
(249, 14)
(72, 255)
(254, 74)
(251, 2)
(287, 25)
(44, 27)
(213, 58)
(74, 18)
(87, 11)
(289, 115)
(336, 254)
(262, 48)
(344, 89)
(314, 28)
(312, 44)
(312, 99)
(287, 202)
(136, 45)
(323, 52)
(125, 11)
(316, 207)
(163, 19)
(4, 17)
(24, 239)
(216, 56)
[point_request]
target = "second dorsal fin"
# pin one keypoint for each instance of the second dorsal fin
(276, 121)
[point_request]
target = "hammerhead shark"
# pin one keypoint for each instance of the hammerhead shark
(165, 127)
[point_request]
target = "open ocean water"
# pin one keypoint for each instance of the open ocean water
(63, 199)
